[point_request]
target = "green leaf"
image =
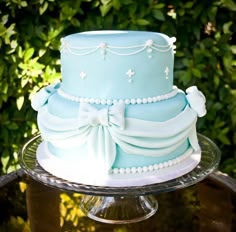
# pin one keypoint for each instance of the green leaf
(158, 15)
(233, 49)
(226, 27)
(28, 54)
(105, 2)
(4, 87)
(229, 4)
(159, 6)
(14, 44)
(189, 4)
(20, 102)
(116, 4)
(43, 8)
(5, 161)
(24, 82)
(23, 4)
(142, 22)
(196, 72)
(105, 9)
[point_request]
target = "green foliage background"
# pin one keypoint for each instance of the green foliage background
(30, 32)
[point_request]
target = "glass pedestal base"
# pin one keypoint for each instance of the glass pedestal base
(119, 209)
(120, 205)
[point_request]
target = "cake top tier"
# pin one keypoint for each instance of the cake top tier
(117, 64)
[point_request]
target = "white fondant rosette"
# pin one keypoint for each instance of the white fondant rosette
(42, 96)
(196, 100)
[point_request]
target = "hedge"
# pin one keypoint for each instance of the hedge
(30, 33)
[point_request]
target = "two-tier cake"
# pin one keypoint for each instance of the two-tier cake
(116, 119)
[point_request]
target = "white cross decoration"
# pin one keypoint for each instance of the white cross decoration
(130, 73)
(82, 75)
(166, 72)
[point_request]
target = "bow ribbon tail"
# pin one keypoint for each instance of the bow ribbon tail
(101, 149)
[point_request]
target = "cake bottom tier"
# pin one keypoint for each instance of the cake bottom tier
(118, 144)
(74, 172)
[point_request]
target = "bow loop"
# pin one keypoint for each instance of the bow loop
(196, 100)
(90, 115)
(41, 97)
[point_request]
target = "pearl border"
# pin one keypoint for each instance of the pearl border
(127, 101)
(153, 167)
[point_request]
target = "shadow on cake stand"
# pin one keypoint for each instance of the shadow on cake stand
(121, 205)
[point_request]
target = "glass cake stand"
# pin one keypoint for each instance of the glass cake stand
(120, 205)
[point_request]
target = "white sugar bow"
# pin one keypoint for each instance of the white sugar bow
(41, 97)
(196, 100)
(90, 115)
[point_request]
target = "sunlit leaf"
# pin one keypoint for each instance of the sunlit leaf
(20, 102)
(28, 54)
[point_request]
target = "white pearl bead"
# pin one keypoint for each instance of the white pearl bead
(149, 43)
(139, 169)
(150, 167)
(115, 101)
(103, 102)
(97, 101)
(122, 170)
(154, 99)
(139, 100)
(133, 101)
(158, 98)
(133, 169)
(121, 101)
(145, 168)
(170, 163)
(156, 167)
(165, 164)
(161, 165)
(179, 159)
(145, 100)
(149, 100)
(127, 170)
(109, 102)
(127, 101)
(103, 45)
(172, 39)
(91, 100)
(116, 170)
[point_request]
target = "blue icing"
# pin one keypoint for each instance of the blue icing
(107, 78)
(159, 111)
(124, 160)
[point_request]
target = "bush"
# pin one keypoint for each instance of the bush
(30, 33)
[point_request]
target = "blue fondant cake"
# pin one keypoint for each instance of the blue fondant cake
(115, 118)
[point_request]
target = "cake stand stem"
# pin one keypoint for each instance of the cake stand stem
(119, 209)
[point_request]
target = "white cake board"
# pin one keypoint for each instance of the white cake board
(70, 171)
